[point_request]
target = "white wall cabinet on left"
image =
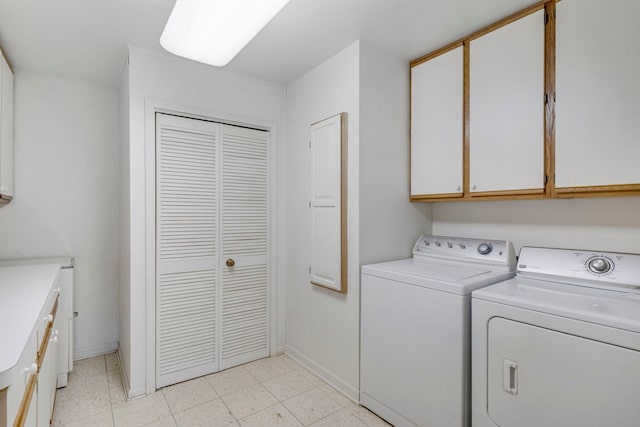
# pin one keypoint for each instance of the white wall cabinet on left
(6, 130)
(436, 126)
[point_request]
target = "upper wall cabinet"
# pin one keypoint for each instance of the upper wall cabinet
(506, 135)
(6, 130)
(550, 107)
(436, 125)
(597, 142)
(478, 114)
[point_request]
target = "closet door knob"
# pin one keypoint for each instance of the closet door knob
(230, 262)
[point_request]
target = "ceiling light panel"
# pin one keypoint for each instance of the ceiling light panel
(214, 31)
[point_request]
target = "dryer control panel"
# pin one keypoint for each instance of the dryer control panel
(608, 269)
(499, 252)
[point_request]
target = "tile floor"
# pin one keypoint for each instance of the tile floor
(276, 391)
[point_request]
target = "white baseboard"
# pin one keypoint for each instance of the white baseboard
(339, 384)
(279, 350)
(130, 394)
(98, 350)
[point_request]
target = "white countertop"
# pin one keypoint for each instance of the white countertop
(23, 293)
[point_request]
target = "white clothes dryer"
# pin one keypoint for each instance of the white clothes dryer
(559, 344)
(416, 329)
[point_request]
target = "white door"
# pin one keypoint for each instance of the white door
(597, 92)
(244, 263)
(507, 108)
(540, 377)
(327, 207)
(212, 287)
(436, 125)
(187, 248)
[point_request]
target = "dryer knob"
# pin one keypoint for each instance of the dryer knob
(599, 265)
(484, 248)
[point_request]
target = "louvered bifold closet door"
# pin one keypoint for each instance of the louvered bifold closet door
(187, 255)
(244, 216)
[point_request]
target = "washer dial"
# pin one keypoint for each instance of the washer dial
(484, 248)
(599, 265)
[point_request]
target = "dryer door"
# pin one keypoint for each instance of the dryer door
(540, 377)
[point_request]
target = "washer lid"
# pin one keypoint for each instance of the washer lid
(454, 277)
(606, 307)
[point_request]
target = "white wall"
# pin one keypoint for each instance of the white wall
(322, 327)
(608, 224)
(66, 198)
(192, 88)
(389, 223)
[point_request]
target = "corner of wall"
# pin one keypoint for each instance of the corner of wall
(124, 221)
(391, 223)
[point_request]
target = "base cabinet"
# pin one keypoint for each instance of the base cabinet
(30, 395)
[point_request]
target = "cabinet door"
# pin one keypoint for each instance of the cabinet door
(47, 382)
(327, 204)
(507, 108)
(6, 128)
(20, 386)
(597, 92)
(436, 125)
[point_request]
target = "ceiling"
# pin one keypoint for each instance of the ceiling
(87, 39)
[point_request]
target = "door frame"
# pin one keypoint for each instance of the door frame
(276, 249)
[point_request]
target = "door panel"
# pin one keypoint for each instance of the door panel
(597, 107)
(187, 255)
(540, 377)
(507, 107)
(436, 125)
(244, 220)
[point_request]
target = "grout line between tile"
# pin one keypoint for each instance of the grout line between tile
(225, 405)
(218, 396)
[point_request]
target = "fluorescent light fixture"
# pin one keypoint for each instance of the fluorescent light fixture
(214, 31)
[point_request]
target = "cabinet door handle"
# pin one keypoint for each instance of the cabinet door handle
(510, 377)
(31, 370)
(230, 262)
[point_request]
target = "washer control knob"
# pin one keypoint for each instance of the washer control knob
(462, 246)
(599, 265)
(484, 248)
(449, 245)
(438, 244)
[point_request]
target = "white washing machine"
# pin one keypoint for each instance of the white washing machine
(416, 328)
(559, 344)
